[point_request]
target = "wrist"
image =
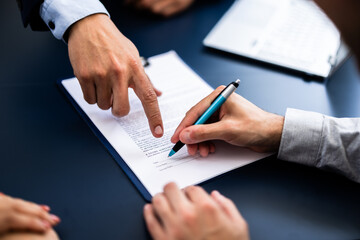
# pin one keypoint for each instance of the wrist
(275, 128)
(271, 133)
(91, 21)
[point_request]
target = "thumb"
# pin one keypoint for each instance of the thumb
(201, 133)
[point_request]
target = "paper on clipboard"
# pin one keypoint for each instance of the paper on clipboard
(146, 156)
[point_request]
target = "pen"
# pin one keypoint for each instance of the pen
(215, 105)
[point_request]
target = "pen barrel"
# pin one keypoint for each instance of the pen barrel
(216, 104)
(211, 110)
(178, 146)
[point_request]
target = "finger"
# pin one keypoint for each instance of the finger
(162, 209)
(197, 194)
(227, 205)
(45, 207)
(89, 91)
(158, 92)
(195, 112)
(201, 133)
(152, 223)
(26, 222)
(103, 93)
(145, 91)
(32, 209)
(120, 105)
(192, 149)
(175, 197)
(204, 149)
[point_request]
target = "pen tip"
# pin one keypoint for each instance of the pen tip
(237, 81)
(172, 152)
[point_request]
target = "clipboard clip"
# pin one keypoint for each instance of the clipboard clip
(144, 61)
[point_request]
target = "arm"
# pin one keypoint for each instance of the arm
(304, 137)
(321, 141)
(105, 62)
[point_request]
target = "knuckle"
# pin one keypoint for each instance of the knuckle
(104, 105)
(118, 70)
(149, 96)
(188, 216)
(16, 205)
(41, 213)
(191, 189)
(157, 200)
(120, 112)
(100, 74)
(83, 76)
(208, 207)
(154, 116)
(89, 99)
(199, 133)
(134, 62)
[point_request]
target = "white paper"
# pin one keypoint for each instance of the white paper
(148, 156)
(292, 33)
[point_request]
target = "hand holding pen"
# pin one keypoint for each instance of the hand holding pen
(213, 107)
(238, 122)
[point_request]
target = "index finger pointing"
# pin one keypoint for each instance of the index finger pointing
(195, 112)
(148, 97)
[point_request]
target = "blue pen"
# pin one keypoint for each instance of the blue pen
(215, 105)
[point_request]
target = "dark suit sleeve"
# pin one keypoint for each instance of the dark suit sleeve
(30, 14)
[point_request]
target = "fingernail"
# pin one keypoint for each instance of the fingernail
(216, 193)
(158, 130)
(146, 207)
(45, 207)
(55, 218)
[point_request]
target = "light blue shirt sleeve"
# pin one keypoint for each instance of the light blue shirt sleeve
(59, 15)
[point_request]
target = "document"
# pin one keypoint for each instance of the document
(147, 156)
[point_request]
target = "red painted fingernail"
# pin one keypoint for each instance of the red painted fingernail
(55, 218)
(45, 207)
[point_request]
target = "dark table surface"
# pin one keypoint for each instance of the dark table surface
(49, 155)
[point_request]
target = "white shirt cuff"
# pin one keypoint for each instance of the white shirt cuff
(59, 15)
